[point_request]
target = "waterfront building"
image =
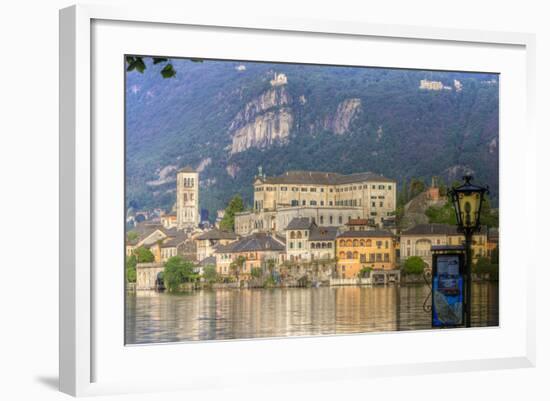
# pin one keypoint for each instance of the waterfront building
(326, 198)
(373, 249)
(207, 241)
(163, 243)
(418, 241)
(305, 241)
(297, 235)
(256, 250)
(187, 199)
(322, 243)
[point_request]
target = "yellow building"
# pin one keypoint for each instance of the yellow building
(418, 241)
(256, 249)
(373, 249)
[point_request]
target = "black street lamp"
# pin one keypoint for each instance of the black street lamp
(467, 201)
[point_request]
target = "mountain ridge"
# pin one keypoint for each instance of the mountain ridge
(229, 118)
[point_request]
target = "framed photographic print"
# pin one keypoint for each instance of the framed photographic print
(279, 208)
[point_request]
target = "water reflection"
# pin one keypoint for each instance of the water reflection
(231, 314)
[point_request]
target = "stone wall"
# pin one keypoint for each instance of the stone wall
(146, 275)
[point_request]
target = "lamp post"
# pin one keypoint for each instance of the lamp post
(467, 201)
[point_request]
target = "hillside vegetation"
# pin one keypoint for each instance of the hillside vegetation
(228, 118)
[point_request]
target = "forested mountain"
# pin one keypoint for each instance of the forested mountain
(228, 118)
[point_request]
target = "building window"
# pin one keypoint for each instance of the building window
(321, 220)
(379, 244)
(340, 219)
(363, 258)
(330, 203)
(299, 244)
(349, 255)
(387, 245)
(355, 242)
(283, 188)
(304, 189)
(379, 257)
(342, 242)
(303, 203)
(386, 257)
(322, 203)
(373, 204)
(313, 203)
(313, 190)
(381, 204)
(389, 187)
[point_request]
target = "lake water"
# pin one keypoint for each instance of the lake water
(250, 313)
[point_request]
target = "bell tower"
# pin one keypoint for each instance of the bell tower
(187, 198)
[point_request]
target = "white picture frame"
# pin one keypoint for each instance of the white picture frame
(83, 349)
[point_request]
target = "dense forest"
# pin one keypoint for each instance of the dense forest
(394, 128)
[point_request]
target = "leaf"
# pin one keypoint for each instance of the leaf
(139, 64)
(157, 60)
(168, 71)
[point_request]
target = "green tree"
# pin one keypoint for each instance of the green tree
(144, 255)
(176, 272)
(271, 266)
(132, 235)
(489, 216)
(416, 187)
(365, 272)
(484, 267)
(237, 266)
(446, 214)
(441, 215)
(236, 205)
(256, 272)
(210, 274)
(131, 262)
(414, 265)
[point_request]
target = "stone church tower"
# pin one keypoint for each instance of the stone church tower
(187, 198)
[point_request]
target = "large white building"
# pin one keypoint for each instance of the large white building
(187, 199)
(328, 199)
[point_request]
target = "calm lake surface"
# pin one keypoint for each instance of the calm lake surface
(250, 313)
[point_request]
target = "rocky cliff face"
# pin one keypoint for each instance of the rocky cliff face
(346, 111)
(266, 129)
(263, 121)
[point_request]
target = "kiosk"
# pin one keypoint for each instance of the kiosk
(448, 286)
